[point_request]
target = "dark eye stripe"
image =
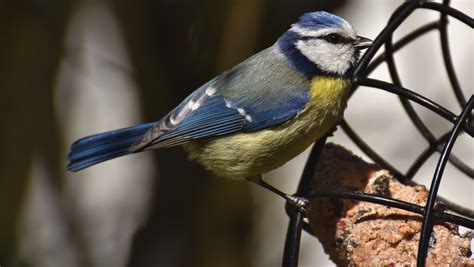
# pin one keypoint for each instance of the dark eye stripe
(335, 38)
(340, 39)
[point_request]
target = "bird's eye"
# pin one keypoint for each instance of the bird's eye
(333, 38)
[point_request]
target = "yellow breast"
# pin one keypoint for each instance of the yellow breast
(246, 155)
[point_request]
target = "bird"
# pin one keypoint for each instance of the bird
(256, 116)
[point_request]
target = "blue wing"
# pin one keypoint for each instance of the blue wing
(210, 120)
(232, 103)
(216, 117)
(263, 117)
(219, 115)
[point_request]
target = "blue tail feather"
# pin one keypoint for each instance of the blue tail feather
(97, 148)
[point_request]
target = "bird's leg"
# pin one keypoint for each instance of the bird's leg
(300, 203)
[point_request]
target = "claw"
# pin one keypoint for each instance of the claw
(300, 203)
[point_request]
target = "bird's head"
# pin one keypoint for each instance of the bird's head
(321, 43)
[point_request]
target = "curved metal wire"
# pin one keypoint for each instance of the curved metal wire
(440, 215)
(448, 63)
(415, 97)
(462, 122)
(428, 210)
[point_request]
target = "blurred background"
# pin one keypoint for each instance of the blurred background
(70, 68)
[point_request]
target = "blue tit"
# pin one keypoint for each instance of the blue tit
(256, 116)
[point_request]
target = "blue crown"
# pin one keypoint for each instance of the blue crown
(320, 19)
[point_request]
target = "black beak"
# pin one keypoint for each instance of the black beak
(362, 43)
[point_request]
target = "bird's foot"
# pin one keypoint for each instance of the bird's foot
(300, 203)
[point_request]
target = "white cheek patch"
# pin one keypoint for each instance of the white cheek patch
(334, 58)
